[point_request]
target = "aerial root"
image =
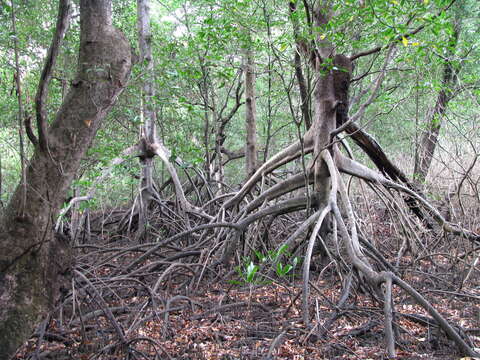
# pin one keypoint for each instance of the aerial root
(381, 282)
(206, 242)
(387, 278)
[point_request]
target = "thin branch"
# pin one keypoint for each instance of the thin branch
(18, 84)
(398, 38)
(63, 21)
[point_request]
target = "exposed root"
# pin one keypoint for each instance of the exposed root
(381, 282)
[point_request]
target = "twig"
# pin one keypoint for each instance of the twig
(275, 344)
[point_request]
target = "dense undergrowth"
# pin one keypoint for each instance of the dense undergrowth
(166, 298)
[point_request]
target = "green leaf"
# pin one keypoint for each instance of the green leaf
(279, 269)
(260, 256)
(287, 269)
(283, 47)
(283, 270)
(281, 250)
(251, 271)
(295, 261)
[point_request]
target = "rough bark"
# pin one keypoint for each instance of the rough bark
(32, 262)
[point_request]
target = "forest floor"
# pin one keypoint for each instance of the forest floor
(168, 309)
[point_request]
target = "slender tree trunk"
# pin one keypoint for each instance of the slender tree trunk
(203, 86)
(429, 139)
(268, 132)
(150, 144)
(221, 121)
(32, 263)
(21, 112)
(250, 115)
(302, 82)
(1, 185)
(146, 58)
(220, 136)
(148, 111)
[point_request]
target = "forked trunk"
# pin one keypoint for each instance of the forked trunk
(32, 263)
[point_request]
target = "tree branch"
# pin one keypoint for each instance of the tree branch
(42, 91)
(29, 131)
(399, 37)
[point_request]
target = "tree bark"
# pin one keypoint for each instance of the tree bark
(34, 265)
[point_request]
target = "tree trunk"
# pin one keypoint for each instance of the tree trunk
(21, 112)
(428, 142)
(204, 88)
(148, 113)
(250, 115)
(150, 144)
(32, 262)
(302, 82)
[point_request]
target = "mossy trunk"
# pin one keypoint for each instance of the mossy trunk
(34, 265)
